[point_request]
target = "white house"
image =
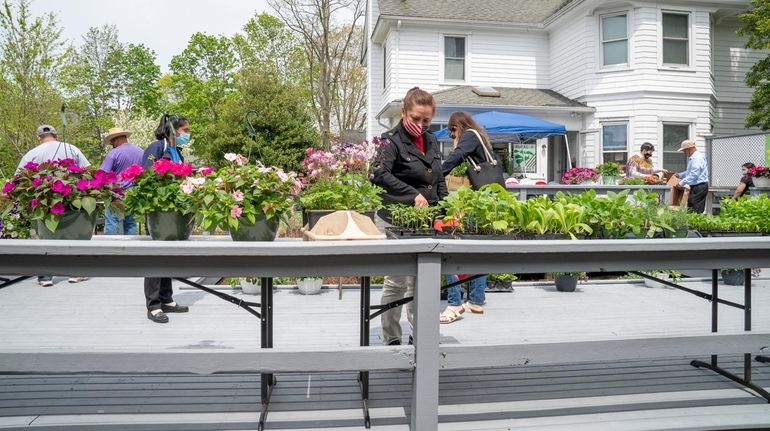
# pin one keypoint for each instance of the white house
(615, 73)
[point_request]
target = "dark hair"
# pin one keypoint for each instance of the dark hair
(647, 146)
(168, 124)
(464, 121)
(748, 165)
(418, 96)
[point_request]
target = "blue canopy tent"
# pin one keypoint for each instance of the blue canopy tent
(507, 127)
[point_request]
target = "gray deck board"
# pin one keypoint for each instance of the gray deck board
(107, 314)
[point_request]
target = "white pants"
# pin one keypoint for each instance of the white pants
(393, 289)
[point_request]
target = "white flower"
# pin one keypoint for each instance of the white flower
(231, 157)
(282, 175)
(198, 181)
(187, 186)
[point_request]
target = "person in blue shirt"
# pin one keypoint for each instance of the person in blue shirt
(696, 177)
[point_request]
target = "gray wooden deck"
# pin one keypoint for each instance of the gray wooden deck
(107, 314)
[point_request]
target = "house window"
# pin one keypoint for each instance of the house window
(384, 66)
(454, 58)
(615, 39)
(676, 38)
(615, 142)
(673, 135)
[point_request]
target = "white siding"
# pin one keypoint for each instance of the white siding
(570, 57)
(509, 59)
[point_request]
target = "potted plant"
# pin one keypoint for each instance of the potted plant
(411, 221)
(760, 176)
(248, 200)
(309, 285)
(631, 181)
(668, 275)
(609, 171)
(13, 224)
(567, 281)
(62, 197)
(249, 285)
(349, 191)
(487, 213)
(458, 177)
(157, 194)
(501, 282)
(583, 176)
(733, 277)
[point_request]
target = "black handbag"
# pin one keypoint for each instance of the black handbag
(486, 172)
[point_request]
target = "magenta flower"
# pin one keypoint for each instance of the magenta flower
(205, 170)
(181, 169)
(162, 166)
(65, 162)
(57, 208)
(8, 186)
(82, 185)
(37, 181)
(75, 169)
(236, 211)
(61, 188)
(131, 172)
(34, 202)
(105, 178)
(32, 166)
(94, 184)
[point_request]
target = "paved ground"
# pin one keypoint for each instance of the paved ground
(108, 315)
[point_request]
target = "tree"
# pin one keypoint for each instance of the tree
(756, 24)
(31, 53)
(267, 45)
(283, 124)
(349, 96)
(135, 75)
(314, 21)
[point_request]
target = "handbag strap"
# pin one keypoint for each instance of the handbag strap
(491, 160)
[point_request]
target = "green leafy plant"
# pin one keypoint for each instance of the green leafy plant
(671, 274)
(159, 188)
(489, 210)
(48, 190)
(413, 218)
(608, 169)
(350, 191)
(460, 171)
(241, 191)
(631, 182)
(504, 277)
(609, 216)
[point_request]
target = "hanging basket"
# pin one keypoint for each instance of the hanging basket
(169, 225)
(75, 225)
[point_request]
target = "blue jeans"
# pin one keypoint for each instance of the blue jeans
(476, 296)
(112, 221)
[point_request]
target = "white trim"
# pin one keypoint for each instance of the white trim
(690, 66)
(466, 65)
(671, 121)
(628, 65)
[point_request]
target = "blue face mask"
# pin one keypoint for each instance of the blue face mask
(182, 139)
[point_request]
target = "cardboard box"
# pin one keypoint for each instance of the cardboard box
(678, 196)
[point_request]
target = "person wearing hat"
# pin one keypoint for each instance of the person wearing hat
(641, 165)
(49, 148)
(122, 155)
(696, 177)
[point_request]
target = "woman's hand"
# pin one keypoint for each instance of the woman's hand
(420, 201)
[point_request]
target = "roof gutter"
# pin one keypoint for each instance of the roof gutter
(586, 109)
(508, 24)
(563, 11)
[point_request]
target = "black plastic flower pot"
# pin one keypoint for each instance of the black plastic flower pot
(169, 225)
(262, 230)
(566, 283)
(733, 277)
(73, 225)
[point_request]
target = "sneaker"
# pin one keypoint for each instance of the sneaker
(46, 283)
(77, 279)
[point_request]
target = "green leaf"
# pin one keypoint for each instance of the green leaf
(89, 204)
(52, 222)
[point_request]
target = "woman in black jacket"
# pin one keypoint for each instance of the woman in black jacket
(172, 134)
(408, 167)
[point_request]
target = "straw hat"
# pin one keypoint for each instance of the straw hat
(114, 133)
(686, 144)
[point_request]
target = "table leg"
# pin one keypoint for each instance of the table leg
(363, 376)
(267, 380)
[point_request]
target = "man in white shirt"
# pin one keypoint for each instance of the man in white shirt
(696, 177)
(49, 148)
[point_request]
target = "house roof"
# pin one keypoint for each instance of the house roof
(464, 95)
(518, 11)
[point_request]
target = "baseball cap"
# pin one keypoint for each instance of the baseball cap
(46, 129)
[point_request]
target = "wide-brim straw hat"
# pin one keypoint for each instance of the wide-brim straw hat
(686, 144)
(114, 133)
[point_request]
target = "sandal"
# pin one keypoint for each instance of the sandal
(473, 308)
(451, 314)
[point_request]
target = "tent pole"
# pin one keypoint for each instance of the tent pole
(569, 156)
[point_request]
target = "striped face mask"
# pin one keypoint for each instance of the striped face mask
(413, 128)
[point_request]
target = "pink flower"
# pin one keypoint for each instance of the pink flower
(131, 172)
(94, 184)
(61, 188)
(8, 186)
(162, 166)
(282, 175)
(32, 166)
(241, 161)
(181, 169)
(82, 185)
(236, 211)
(205, 170)
(65, 162)
(297, 188)
(238, 195)
(266, 207)
(34, 202)
(57, 208)
(105, 178)
(75, 169)
(37, 181)
(187, 186)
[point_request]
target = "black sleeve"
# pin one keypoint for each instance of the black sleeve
(466, 147)
(381, 172)
(150, 155)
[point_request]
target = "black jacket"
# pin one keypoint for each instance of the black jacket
(156, 151)
(469, 146)
(404, 171)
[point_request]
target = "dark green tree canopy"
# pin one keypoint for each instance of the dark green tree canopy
(756, 25)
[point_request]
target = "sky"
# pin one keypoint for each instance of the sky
(139, 21)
